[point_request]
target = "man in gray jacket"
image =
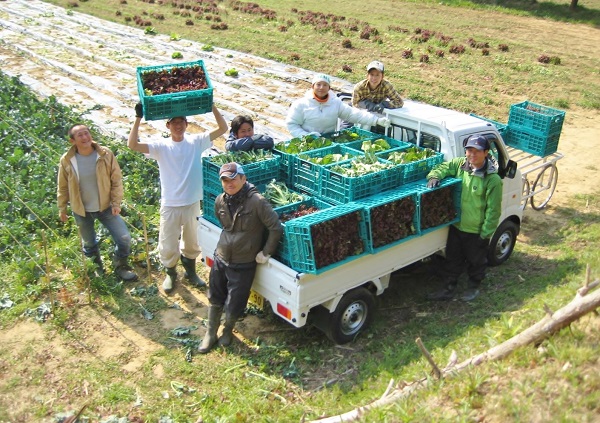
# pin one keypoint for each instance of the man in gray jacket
(245, 216)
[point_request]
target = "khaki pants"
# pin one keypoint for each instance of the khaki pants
(178, 233)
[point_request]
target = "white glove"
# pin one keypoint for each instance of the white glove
(262, 258)
(314, 134)
(385, 122)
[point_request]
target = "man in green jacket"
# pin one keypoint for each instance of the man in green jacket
(481, 201)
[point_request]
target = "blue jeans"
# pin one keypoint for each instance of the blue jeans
(115, 226)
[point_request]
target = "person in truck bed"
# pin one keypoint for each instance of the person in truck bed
(250, 235)
(319, 110)
(243, 138)
(180, 170)
(480, 204)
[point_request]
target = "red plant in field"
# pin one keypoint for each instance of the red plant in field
(503, 47)
(439, 53)
(485, 52)
(347, 43)
(407, 54)
(457, 49)
(424, 58)
(347, 68)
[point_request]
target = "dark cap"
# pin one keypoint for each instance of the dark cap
(478, 142)
(230, 170)
(176, 117)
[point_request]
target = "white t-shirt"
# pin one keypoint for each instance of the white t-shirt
(180, 167)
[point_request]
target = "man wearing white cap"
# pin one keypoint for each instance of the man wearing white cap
(319, 110)
(246, 216)
(375, 93)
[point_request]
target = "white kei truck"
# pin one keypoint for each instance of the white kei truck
(342, 301)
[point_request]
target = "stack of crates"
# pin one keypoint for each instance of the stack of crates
(534, 128)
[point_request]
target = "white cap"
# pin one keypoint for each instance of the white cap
(321, 78)
(375, 65)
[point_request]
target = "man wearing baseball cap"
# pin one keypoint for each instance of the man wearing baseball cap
(480, 206)
(320, 109)
(245, 216)
(374, 93)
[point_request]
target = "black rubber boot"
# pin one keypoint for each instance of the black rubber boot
(227, 335)
(170, 279)
(190, 272)
(444, 294)
(212, 326)
(123, 270)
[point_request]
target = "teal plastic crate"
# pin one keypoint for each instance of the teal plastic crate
(538, 145)
(286, 159)
(306, 174)
(392, 217)
(535, 119)
(444, 199)
(395, 145)
(413, 171)
(208, 206)
(352, 134)
(257, 173)
(283, 253)
(340, 189)
(327, 239)
(185, 103)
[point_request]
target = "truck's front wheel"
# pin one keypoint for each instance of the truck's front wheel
(353, 314)
(502, 243)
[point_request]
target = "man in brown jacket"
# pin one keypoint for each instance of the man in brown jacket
(245, 215)
(90, 181)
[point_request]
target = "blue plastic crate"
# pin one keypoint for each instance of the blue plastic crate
(445, 197)
(184, 103)
(395, 145)
(341, 189)
(398, 210)
(283, 253)
(208, 206)
(535, 119)
(352, 134)
(413, 171)
(311, 255)
(306, 174)
(257, 173)
(538, 145)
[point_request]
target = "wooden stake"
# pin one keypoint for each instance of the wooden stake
(49, 285)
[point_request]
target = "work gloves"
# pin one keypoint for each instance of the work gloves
(385, 122)
(375, 107)
(433, 182)
(262, 258)
(139, 110)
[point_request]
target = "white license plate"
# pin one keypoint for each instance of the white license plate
(256, 299)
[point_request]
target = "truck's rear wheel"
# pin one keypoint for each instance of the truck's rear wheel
(353, 314)
(502, 243)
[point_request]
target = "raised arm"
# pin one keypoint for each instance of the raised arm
(216, 133)
(134, 139)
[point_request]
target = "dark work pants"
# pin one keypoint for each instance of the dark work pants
(465, 249)
(229, 286)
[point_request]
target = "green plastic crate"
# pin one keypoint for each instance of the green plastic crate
(538, 145)
(445, 197)
(208, 206)
(349, 243)
(283, 253)
(257, 173)
(341, 189)
(306, 175)
(535, 119)
(184, 103)
(388, 225)
(413, 171)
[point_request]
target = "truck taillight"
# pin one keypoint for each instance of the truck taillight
(284, 311)
(209, 261)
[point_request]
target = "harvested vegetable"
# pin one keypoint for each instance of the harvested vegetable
(437, 207)
(174, 80)
(378, 145)
(279, 195)
(360, 166)
(301, 144)
(392, 221)
(347, 135)
(242, 157)
(410, 155)
(327, 159)
(303, 210)
(336, 239)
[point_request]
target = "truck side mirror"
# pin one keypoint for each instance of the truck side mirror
(510, 170)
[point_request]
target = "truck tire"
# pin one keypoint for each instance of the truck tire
(502, 243)
(353, 314)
